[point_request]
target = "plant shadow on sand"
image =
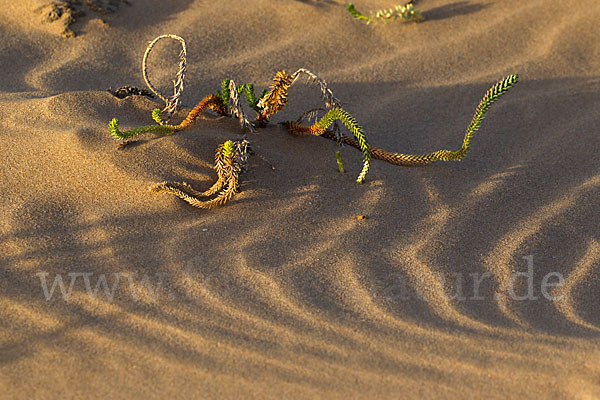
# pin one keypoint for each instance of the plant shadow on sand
(453, 10)
(286, 271)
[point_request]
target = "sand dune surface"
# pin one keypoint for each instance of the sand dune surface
(476, 279)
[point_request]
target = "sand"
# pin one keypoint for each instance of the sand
(284, 292)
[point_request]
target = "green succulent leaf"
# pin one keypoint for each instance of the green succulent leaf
(157, 116)
(350, 123)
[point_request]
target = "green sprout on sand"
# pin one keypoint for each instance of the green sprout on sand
(405, 12)
(340, 163)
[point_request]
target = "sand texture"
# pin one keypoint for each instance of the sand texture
(284, 292)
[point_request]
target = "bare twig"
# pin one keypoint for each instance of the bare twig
(235, 108)
(172, 102)
(326, 93)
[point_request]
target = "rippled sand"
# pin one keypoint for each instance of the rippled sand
(284, 293)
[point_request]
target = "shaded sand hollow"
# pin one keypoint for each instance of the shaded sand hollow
(284, 293)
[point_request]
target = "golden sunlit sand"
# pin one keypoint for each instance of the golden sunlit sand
(476, 279)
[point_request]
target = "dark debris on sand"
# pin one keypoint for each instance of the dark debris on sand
(127, 91)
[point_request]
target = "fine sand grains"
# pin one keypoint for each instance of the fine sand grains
(284, 292)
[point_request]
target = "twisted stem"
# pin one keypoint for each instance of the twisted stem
(172, 102)
(412, 160)
(328, 119)
(211, 101)
(226, 186)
